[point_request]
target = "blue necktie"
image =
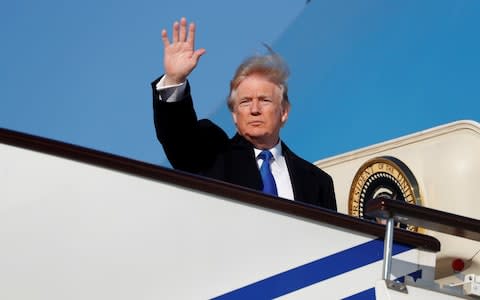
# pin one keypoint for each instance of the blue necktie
(269, 186)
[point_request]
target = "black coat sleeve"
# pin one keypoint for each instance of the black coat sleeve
(190, 144)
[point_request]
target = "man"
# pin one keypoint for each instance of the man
(255, 157)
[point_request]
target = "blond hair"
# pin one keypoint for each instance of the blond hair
(271, 66)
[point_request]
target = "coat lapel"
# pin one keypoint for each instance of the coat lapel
(244, 169)
(302, 185)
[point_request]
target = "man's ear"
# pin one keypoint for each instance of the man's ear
(234, 117)
(285, 111)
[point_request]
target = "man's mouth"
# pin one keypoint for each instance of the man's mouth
(255, 123)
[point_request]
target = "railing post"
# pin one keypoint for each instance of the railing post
(387, 249)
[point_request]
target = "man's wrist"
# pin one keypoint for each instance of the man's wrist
(162, 84)
(172, 81)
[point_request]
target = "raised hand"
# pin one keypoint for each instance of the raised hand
(180, 56)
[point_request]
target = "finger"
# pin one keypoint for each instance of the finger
(183, 29)
(175, 32)
(191, 35)
(165, 40)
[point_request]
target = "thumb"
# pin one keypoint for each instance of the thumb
(199, 52)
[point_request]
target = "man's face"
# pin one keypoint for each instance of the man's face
(258, 111)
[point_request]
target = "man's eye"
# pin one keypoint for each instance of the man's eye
(266, 100)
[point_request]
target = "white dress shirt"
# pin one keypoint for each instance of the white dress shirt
(169, 93)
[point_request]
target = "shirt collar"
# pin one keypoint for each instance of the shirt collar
(276, 150)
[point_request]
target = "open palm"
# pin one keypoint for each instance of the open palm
(180, 56)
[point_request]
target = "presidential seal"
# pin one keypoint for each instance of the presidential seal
(384, 176)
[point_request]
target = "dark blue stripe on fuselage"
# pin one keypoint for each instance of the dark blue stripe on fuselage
(363, 295)
(314, 272)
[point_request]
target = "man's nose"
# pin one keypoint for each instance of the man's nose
(255, 108)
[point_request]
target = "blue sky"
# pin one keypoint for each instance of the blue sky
(378, 70)
(80, 71)
(362, 71)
